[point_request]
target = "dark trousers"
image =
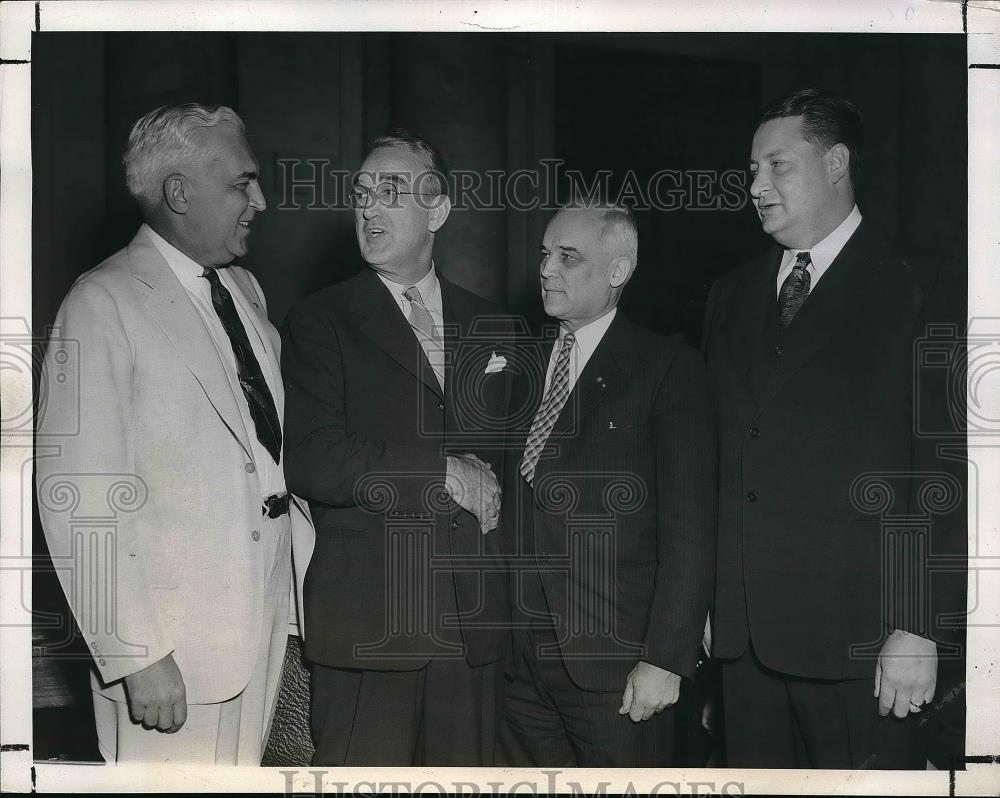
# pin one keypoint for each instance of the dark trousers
(774, 720)
(547, 721)
(443, 714)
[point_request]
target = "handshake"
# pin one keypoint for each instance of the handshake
(474, 487)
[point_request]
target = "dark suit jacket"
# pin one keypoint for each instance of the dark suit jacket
(367, 432)
(621, 520)
(816, 444)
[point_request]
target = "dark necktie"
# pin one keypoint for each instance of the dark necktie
(548, 411)
(795, 290)
(258, 395)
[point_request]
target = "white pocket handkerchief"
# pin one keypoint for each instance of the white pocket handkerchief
(497, 363)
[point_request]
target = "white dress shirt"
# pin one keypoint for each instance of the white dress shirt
(587, 339)
(821, 255)
(272, 478)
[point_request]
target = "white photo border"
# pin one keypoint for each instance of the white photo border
(980, 21)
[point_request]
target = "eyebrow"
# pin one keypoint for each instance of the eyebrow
(247, 175)
(771, 154)
(574, 250)
(393, 177)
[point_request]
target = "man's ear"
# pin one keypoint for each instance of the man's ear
(440, 208)
(619, 271)
(838, 162)
(175, 188)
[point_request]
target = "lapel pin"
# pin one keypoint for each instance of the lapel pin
(600, 381)
(611, 425)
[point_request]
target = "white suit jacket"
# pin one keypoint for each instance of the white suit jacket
(147, 488)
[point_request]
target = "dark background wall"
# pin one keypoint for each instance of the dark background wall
(491, 102)
(626, 103)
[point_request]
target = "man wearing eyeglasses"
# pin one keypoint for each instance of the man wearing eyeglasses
(396, 393)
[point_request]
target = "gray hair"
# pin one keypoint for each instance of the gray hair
(163, 140)
(619, 233)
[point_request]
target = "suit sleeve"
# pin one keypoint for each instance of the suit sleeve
(324, 460)
(940, 457)
(686, 476)
(85, 468)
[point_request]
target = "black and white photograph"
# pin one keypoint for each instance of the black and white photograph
(526, 397)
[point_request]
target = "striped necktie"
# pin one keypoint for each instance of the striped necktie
(548, 412)
(795, 289)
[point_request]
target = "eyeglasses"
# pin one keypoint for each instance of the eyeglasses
(385, 193)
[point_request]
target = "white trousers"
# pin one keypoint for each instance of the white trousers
(232, 732)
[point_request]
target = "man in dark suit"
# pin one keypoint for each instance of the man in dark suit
(396, 382)
(612, 495)
(810, 353)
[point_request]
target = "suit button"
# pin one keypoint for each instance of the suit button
(543, 557)
(754, 432)
(250, 468)
(255, 535)
(752, 496)
(779, 350)
(441, 406)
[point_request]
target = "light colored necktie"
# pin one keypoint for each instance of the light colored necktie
(548, 412)
(795, 290)
(421, 321)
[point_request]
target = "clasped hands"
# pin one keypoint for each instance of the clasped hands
(474, 487)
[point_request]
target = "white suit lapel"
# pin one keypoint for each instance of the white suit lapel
(170, 308)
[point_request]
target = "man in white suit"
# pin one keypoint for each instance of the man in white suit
(183, 595)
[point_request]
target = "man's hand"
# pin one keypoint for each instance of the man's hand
(473, 485)
(649, 689)
(156, 696)
(906, 674)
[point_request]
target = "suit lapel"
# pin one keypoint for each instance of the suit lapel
(247, 298)
(171, 309)
(600, 378)
(753, 326)
(829, 308)
(379, 317)
(456, 316)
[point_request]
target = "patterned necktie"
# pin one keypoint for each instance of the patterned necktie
(258, 395)
(795, 289)
(430, 342)
(548, 412)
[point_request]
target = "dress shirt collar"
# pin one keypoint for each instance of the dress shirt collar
(429, 287)
(589, 335)
(823, 253)
(188, 272)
